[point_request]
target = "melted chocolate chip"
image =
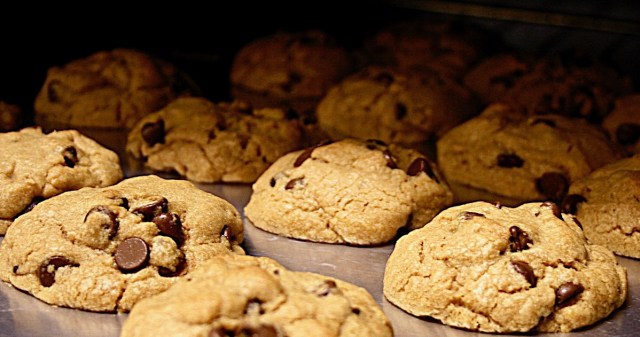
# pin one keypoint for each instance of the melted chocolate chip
(553, 185)
(306, 154)
(421, 165)
(132, 254)
(112, 226)
(180, 267)
(169, 224)
(53, 91)
(293, 183)
(401, 111)
(519, 240)
(29, 207)
(628, 133)
(554, 208)
(124, 203)
(327, 287)
(15, 269)
(47, 271)
(355, 311)
(150, 210)
(153, 133)
(525, 270)
(567, 294)
(471, 215)
(391, 162)
(227, 233)
(509, 160)
(70, 156)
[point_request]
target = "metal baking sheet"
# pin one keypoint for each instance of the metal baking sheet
(25, 316)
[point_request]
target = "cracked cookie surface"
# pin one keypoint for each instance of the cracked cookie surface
(498, 269)
(607, 205)
(350, 191)
(207, 142)
(256, 296)
(103, 249)
(35, 166)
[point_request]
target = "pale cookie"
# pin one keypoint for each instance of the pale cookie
(207, 142)
(109, 89)
(504, 156)
(35, 166)
(607, 205)
(497, 269)
(623, 123)
(351, 192)
(104, 249)
(256, 296)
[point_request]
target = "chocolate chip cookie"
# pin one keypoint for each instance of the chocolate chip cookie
(109, 89)
(606, 204)
(35, 166)
(350, 191)
(492, 268)
(237, 295)
(103, 249)
(207, 142)
(394, 106)
(623, 123)
(505, 156)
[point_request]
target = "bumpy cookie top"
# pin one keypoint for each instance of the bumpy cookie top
(394, 106)
(607, 205)
(256, 296)
(499, 269)
(103, 249)
(36, 166)
(523, 158)
(623, 123)
(109, 89)
(208, 142)
(348, 192)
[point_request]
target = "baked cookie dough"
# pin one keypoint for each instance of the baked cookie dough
(350, 192)
(104, 249)
(207, 142)
(289, 69)
(505, 156)
(10, 117)
(35, 166)
(623, 123)
(109, 89)
(491, 268)
(394, 106)
(237, 295)
(606, 204)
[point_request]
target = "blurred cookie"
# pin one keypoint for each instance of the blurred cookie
(352, 192)
(504, 156)
(103, 249)
(494, 76)
(623, 123)
(207, 142)
(35, 166)
(10, 118)
(606, 204)
(256, 296)
(499, 269)
(109, 89)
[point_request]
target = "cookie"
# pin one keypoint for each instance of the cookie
(10, 117)
(104, 249)
(505, 156)
(393, 106)
(289, 69)
(499, 269)
(493, 77)
(207, 142)
(351, 192)
(256, 296)
(109, 89)
(623, 123)
(35, 166)
(607, 206)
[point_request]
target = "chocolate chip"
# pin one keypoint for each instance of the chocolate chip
(553, 185)
(355, 311)
(306, 154)
(227, 233)
(628, 133)
(554, 208)
(471, 215)
(509, 160)
(327, 287)
(263, 331)
(70, 156)
(132, 254)
(570, 203)
(112, 225)
(401, 111)
(293, 183)
(153, 133)
(221, 332)
(549, 122)
(567, 294)
(15, 269)
(525, 270)
(29, 207)
(180, 267)
(391, 162)
(292, 80)
(421, 165)
(169, 224)
(47, 271)
(272, 182)
(519, 240)
(150, 210)
(53, 91)
(124, 203)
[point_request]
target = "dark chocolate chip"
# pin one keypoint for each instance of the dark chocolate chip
(628, 133)
(292, 80)
(549, 122)
(509, 160)
(169, 224)
(53, 91)
(124, 203)
(567, 294)
(401, 111)
(260, 331)
(293, 183)
(525, 270)
(553, 185)
(153, 133)
(327, 287)
(132, 254)
(471, 215)
(391, 162)
(227, 233)
(421, 165)
(70, 156)
(31, 205)
(112, 225)
(570, 203)
(15, 269)
(519, 240)
(47, 271)
(272, 182)
(150, 210)
(355, 311)
(306, 154)
(554, 208)
(180, 267)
